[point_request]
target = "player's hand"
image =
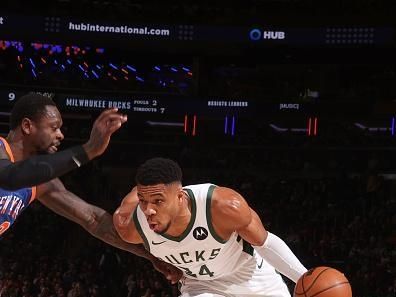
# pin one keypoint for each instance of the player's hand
(172, 273)
(105, 125)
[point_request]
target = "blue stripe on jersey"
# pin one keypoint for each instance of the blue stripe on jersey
(12, 203)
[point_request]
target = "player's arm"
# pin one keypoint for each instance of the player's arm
(39, 169)
(96, 221)
(92, 218)
(230, 212)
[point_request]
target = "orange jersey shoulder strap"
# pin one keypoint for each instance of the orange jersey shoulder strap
(33, 196)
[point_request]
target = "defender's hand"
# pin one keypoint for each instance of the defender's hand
(172, 273)
(105, 125)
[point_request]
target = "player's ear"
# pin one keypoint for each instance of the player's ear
(180, 194)
(27, 126)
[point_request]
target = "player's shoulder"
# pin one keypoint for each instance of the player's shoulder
(123, 218)
(4, 154)
(128, 204)
(226, 200)
(131, 198)
(229, 206)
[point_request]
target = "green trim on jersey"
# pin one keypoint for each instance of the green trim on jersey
(209, 215)
(192, 220)
(247, 247)
(139, 229)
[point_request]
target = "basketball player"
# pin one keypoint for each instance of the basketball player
(207, 231)
(35, 129)
(39, 169)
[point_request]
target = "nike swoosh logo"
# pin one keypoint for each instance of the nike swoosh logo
(156, 243)
(261, 264)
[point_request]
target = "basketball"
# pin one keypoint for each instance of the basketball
(323, 282)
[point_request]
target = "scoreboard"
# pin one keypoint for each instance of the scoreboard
(161, 105)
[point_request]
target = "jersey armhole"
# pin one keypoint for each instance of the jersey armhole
(33, 195)
(209, 215)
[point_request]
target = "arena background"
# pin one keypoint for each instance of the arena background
(291, 102)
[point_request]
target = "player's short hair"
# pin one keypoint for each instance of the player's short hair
(30, 106)
(158, 171)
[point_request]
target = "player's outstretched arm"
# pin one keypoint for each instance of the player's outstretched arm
(43, 168)
(96, 221)
(93, 219)
(229, 206)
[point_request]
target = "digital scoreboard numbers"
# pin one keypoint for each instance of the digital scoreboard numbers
(11, 96)
(150, 106)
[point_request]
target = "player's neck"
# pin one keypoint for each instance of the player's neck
(17, 146)
(182, 220)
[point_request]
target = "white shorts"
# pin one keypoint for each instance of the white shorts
(256, 278)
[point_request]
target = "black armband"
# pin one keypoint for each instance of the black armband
(40, 169)
(79, 157)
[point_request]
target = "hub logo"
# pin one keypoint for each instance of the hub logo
(257, 34)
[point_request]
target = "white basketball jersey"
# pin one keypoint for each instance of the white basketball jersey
(199, 251)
